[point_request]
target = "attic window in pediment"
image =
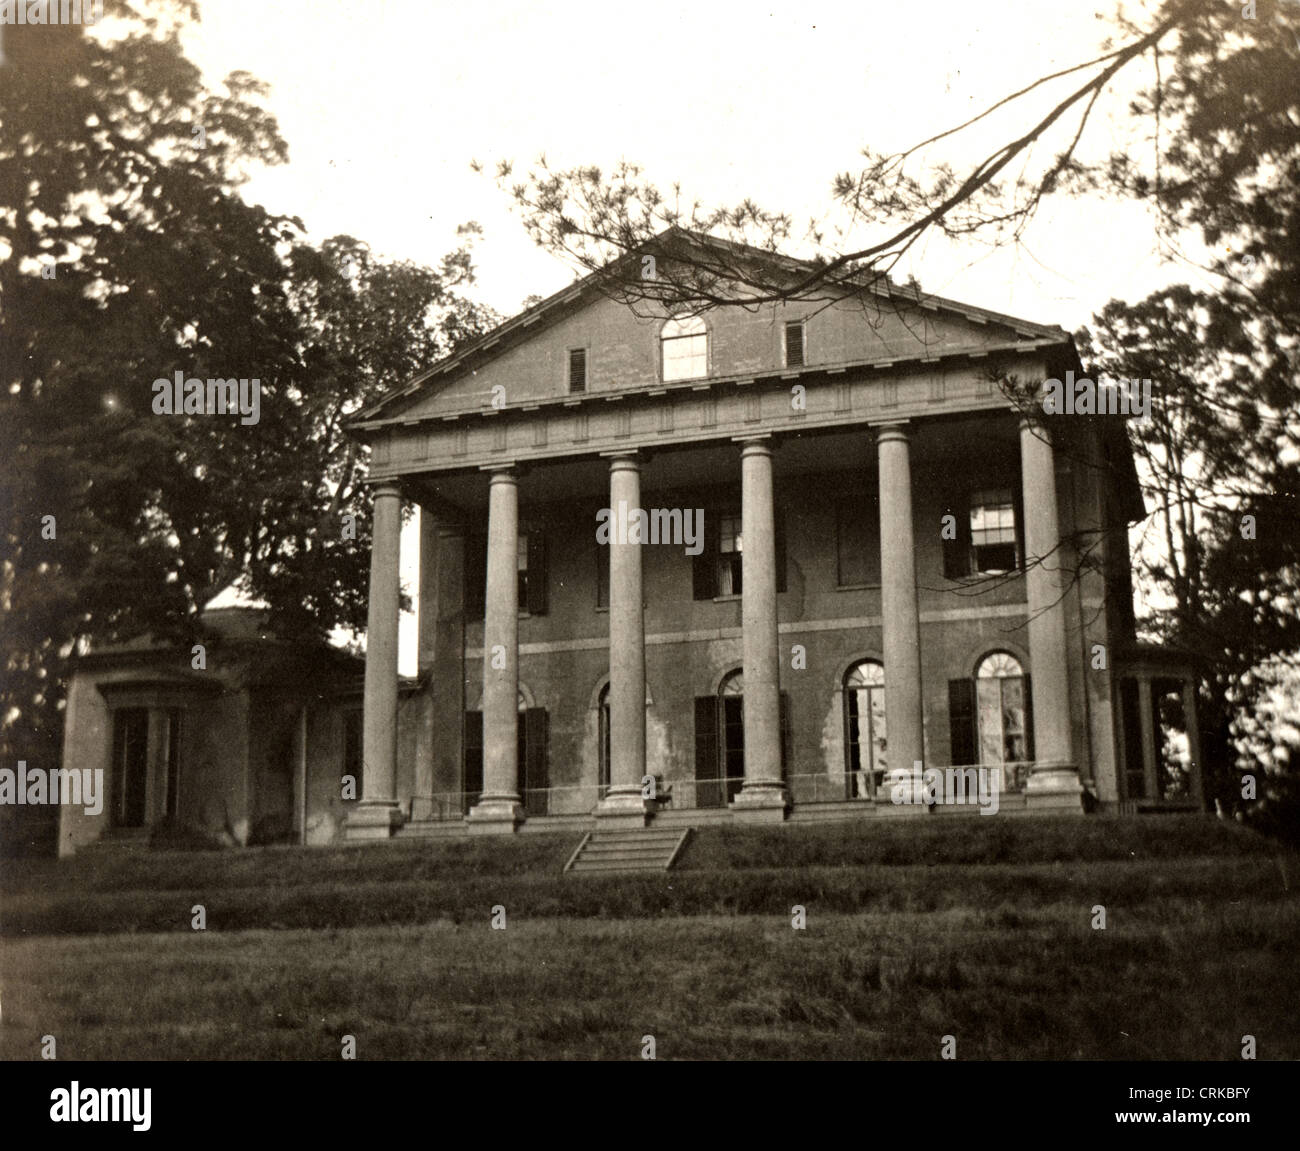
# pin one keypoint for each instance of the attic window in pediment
(685, 341)
(577, 369)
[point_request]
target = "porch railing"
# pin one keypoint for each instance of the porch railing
(692, 794)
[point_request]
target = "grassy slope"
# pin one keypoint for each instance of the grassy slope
(916, 929)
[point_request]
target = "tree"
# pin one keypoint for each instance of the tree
(127, 254)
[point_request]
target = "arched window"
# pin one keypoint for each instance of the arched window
(685, 342)
(1002, 706)
(603, 778)
(864, 710)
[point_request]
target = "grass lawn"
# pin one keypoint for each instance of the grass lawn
(975, 928)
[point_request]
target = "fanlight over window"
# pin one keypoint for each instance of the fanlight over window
(1000, 698)
(864, 709)
(685, 348)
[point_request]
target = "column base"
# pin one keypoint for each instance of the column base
(1054, 786)
(623, 807)
(761, 803)
(375, 820)
(495, 815)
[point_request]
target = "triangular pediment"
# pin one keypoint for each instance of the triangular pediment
(527, 360)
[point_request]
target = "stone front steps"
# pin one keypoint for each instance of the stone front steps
(632, 849)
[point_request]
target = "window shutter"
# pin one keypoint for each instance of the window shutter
(961, 721)
(473, 757)
(475, 576)
(1029, 719)
(536, 776)
(794, 344)
(956, 552)
(708, 792)
(704, 567)
(536, 583)
(787, 736)
(1018, 510)
(578, 370)
(602, 575)
(779, 542)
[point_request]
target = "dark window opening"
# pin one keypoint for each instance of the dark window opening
(794, 344)
(130, 766)
(173, 768)
(530, 568)
(602, 576)
(577, 369)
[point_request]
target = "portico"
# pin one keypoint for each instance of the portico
(888, 581)
(758, 466)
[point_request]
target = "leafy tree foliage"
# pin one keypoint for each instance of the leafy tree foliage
(127, 254)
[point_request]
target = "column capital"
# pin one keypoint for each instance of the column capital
(509, 471)
(760, 445)
(894, 431)
(621, 461)
(502, 476)
(385, 488)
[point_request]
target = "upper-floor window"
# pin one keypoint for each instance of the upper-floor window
(685, 342)
(992, 531)
(982, 532)
(577, 369)
(729, 555)
(794, 344)
(530, 566)
(719, 568)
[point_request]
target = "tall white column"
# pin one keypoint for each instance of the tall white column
(624, 802)
(500, 809)
(901, 624)
(377, 813)
(763, 794)
(1054, 781)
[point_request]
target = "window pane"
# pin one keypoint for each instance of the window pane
(988, 697)
(686, 357)
(877, 728)
(729, 538)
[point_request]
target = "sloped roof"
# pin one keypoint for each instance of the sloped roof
(502, 336)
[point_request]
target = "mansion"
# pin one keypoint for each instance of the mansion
(835, 553)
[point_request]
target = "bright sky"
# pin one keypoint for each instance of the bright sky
(385, 103)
